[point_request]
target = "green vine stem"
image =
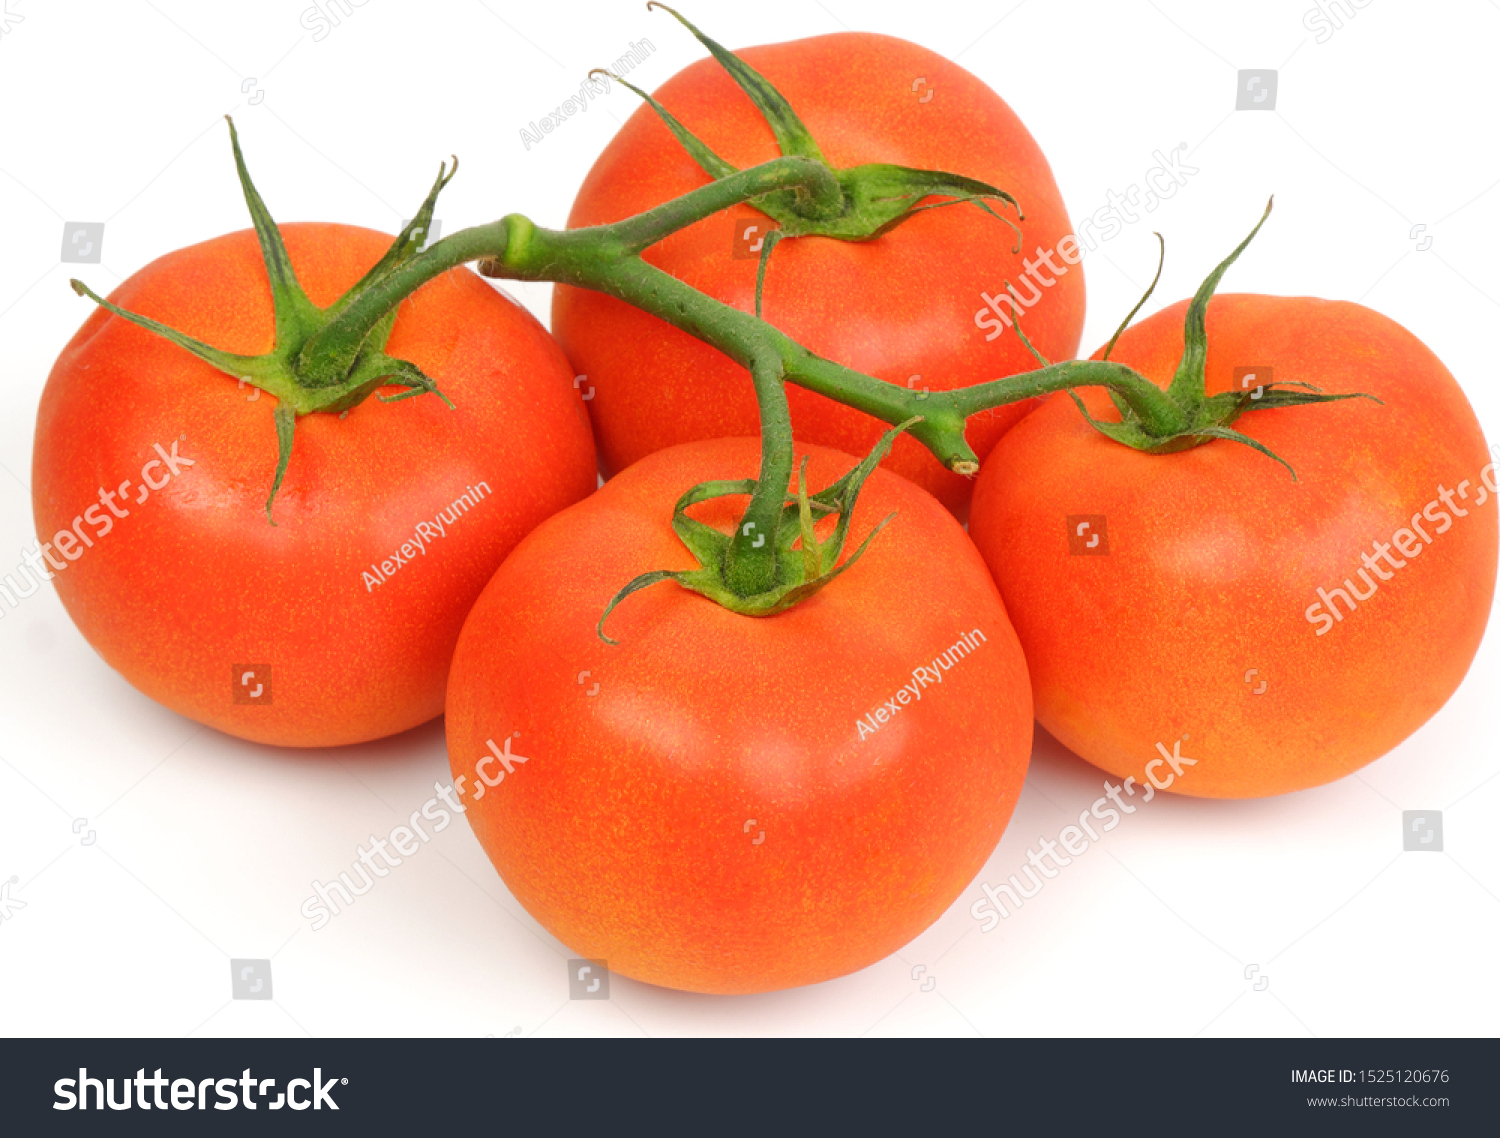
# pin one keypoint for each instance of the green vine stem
(327, 360)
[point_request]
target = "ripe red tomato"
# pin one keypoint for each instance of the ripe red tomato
(725, 803)
(1285, 633)
(151, 471)
(902, 307)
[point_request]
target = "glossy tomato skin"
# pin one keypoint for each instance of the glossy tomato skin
(697, 806)
(1199, 624)
(193, 586)
(901, 308)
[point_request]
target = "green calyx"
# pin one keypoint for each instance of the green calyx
(303, 382)
(871, 199)
(803, 564)
(1199, 418)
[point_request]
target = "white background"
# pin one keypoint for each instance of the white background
(204, 846)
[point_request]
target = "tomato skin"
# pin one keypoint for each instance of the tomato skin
(633, 832)
(903, 305)
(195, 582)
(1216, 556)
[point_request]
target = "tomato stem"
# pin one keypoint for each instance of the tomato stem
(750, 561)
(328, 360)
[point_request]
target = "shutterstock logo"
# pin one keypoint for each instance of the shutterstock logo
(230, 1092)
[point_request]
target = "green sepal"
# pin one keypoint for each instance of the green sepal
(1025, 339)
(406, 246)
(874, 198)
(1228, 406)
(880, 196)
(296, 315)
(769, 242)
(797, 577)
(1235, 436)
(641, 582)
(1204, 417)
(286, 429)
(249, 367)
(812, 552)
(877, 197)
(792, 136)
(282, 372)
(705, 543)
(1161, 259)
(714, 166)
(1187, 384)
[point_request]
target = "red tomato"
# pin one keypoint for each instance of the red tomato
(172, 571)
(1225, 607)
(902, 307)
(725, 803)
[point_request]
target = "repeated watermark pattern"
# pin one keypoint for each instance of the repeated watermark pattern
(1409, 541)
(991, 909)
(1162, 181)
(1326, 17)
(489, 771)
(322, 18)
(8, 18)
(73, 541)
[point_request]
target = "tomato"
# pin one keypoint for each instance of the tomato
(902, 307)
(726, 803)
(1278, 633)
(151, 471)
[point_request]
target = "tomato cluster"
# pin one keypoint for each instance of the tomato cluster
(725, 802)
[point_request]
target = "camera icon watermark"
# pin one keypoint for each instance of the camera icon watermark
(425, 237)
(1088, 535)
(749, 237)
(1422, 831)
(1258, 376)
(588, 980)
(250, 979)
(83, 242)
(252, 684)
(9, 905)
(1257, 91)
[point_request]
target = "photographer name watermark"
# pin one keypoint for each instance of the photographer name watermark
(424, 535)
(591, 87)
(921, 677)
